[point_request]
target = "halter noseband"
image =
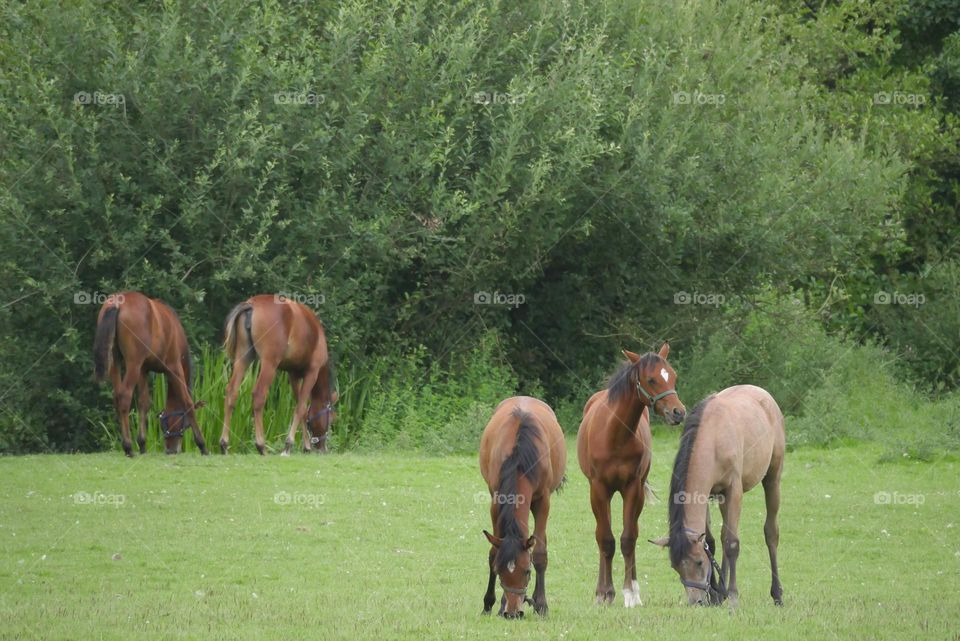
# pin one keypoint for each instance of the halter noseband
(706, 586)
(165, 424)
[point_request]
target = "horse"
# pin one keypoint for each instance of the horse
(145, 335)
(613, 448)
(284, 335)
(523, 456)
(731, 441)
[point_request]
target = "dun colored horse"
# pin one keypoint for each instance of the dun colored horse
(613, 447)
(285, 335)
(145, 335)
(731, 441)
(523, 456)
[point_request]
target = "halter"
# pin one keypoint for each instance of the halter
(326, 409)
(650, 397)
(519, 591)
(165, 423)
(706, 586)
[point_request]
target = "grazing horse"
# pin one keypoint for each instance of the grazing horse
(732, 440)
(145, 335)
(613, 447)
(285, 335)
(523, 456)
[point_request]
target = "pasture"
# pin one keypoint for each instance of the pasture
(389, 546)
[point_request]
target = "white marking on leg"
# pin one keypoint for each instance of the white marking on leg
(636, 592)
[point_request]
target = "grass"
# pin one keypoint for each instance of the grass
(389, 546)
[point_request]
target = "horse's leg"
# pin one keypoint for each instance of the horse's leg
(230, 400)
(143, 410)
(122, 399)
(600, 502)
(541, 509)
(729, 539)
(299, 413)
(260, 390)
(177, 378)
(295, 382)
(771, 531)
(632, 506)
(491, 596)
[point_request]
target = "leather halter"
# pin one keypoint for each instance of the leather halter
(706, 586)
(326, 409)
(644, 394)
(165, 423)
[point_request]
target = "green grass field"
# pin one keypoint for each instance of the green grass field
(390, 547)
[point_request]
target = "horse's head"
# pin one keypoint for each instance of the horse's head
(512, 564)
(692, 558)
(656, 383)
(319, 420)
(174, 421)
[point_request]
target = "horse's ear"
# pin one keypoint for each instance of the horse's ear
(530, 542)
(334, 397)
(495, 541)
(702, 537)
(664, 350)
(662, 541)
(633, 358)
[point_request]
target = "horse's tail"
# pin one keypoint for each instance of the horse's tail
(230, 331)
(648, 492)
(106, 336)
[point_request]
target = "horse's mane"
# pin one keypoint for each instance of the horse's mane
(678, 541)
(523, 460)
(621, 383)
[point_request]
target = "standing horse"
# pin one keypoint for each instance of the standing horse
(731, 441)
(146, 335)
(285, 335)
(523, 456)
(613, 447)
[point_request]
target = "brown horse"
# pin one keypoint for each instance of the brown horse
(731, 441)
(523, 456)
(285, 335)
(146, 336)
(613, 447)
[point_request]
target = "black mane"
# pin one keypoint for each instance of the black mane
(679, 542)
(523, 460)
(622, 382)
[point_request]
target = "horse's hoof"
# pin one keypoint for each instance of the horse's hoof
(778, 602)
(223, 447)
(262, 450)
(541, 609)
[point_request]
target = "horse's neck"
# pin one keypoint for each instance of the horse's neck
(626, 413)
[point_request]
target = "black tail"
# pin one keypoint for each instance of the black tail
(103, 343)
